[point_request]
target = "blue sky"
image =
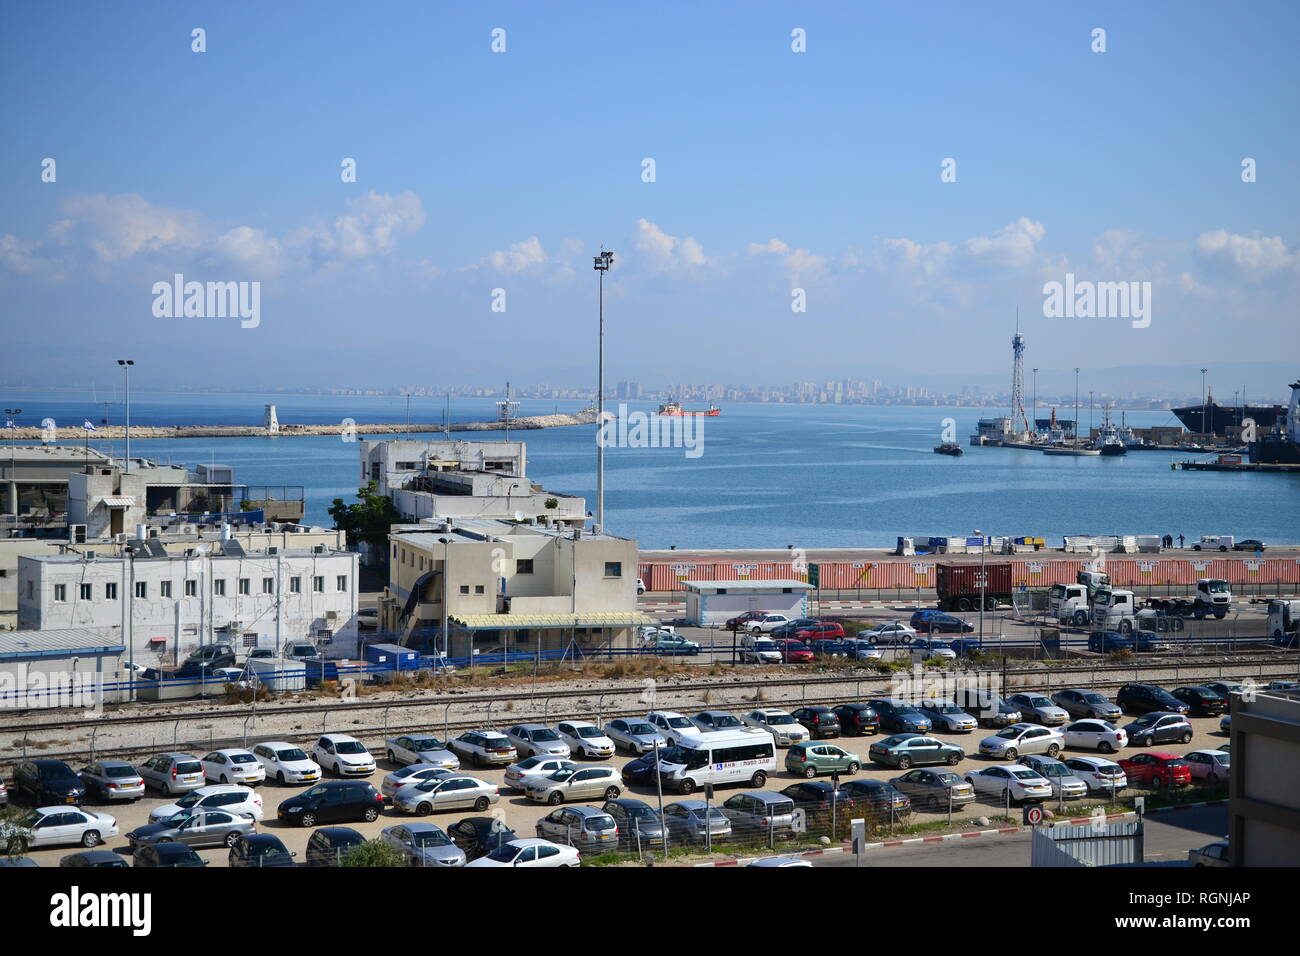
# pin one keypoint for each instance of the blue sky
(774, 171)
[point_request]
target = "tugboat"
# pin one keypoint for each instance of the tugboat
(675, 408)
(949, 448)
(1108, 441)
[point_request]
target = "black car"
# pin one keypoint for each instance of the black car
(638, 824)
(1249, 544)
(939, 622)
(167, 854)
(49, 782)
(329, 843)
(989, 710)
(334, 801)
(1202, 701)
(883, 800)
(814, 798)
(857, 719)
(820, 721)
(789, 628)
(900, 717)
(1148, 698)
(94, 858)
(1158, 728)
(642, 769)
(260, 849)
(478, 836)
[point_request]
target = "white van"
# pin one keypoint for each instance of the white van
(719, 758)
(759, 648)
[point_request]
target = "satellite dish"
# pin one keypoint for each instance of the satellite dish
(519, 516)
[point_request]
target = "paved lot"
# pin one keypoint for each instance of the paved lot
(522, 815)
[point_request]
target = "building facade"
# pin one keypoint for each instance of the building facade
(1264, 805)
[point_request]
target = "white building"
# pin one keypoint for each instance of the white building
(714, 602)
(168, 604)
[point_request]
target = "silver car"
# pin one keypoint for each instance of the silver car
(582, 827)
(536, 740)
(712, 720)
(576, 785)
(112, 780)
(1081, 702)
(519, 775)
(634, 735)
(483, 747)
(687, 820)
(455, 792)
(413, 773)
(760, 812)
(1010, 742)
(946, 716)
(200, 828)
(172, 773)
(1039, 709)
(423, 844)
(1065, 783)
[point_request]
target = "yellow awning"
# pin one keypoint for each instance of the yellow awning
(484, 622)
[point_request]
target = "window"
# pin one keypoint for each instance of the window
(31, 590)
(613, 569)
(191, 588)
(245, 586)
(165, 589)
(478, 589)
(268, 585)
(110, 591)
(318, 583)
(295, 585)
(394, 550)
(219, 587)
(464, 589)
(524, 566)
(86, 591)
(60, 592)
(341, 582)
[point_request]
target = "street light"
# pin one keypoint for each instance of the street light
(601, 264)
(126, 371)
(10, 423)
(982, 584)
(1204, 410)
(1035, 402)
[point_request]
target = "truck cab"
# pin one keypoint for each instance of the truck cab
(1114, 610)
(1068, 603)
(1284, 622)
(1213, 596)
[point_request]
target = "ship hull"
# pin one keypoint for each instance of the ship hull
(1275, 451)
(1216, 419)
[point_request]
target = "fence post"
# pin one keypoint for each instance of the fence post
(246, 720)
(175, 730)
(93, 732)
(385, 721)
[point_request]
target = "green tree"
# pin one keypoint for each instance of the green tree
(367, 522)
(14, 839)
(372, 853)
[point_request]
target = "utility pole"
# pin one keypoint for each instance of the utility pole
(602, 263)
(126, 370)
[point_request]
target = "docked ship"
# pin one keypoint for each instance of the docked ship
(949, 448)
(1109, 441)
(1281, 445)
(1214, 419)
(675, 408)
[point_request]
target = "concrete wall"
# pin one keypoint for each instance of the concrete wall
(1264, 809)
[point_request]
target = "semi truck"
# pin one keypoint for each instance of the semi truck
(1072, 603)
(960, 586)
(1284, 622)
(1213, 596)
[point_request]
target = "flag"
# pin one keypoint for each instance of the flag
(88, 426)
(9, 423)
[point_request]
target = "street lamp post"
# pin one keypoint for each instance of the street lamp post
(983, 579)
(602, 263)
(11, 422)
(126, 371)
(1204, 410)
(446, 638)
(1035, 402)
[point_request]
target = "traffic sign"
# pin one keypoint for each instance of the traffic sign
(1033, 816)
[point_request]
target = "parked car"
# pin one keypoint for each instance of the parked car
(899, 716)
(939, 622)
(519, 775)
(585, 739)
(693, 820)
(228, 797)
(642, 770)
(861, 650)
(1225, 688)
(1099, 735)
(259, 850)
(1010, 742)
(536, 740)
(1081, 702)
(484, 747)
(1150, 642)
(882, 800)
(1148, 698)
(479, 835)
(758, 650)
(1159, 768)
(1100, 775)
(934, 789)
(1201, 701)
(343, 756)
(166, 855)
(1020, 782)
(818, 632)
(670, 645)
(760, 811)
(48, 782)
(1212, 854)
(780, 861)
(785, 730)
(411, 774)
(51, 826)
(94, 858)
(1038, 709)
(670, 724)
(638, 824)
(172, 773)
(946, 716)
(891, 632)
(815, 797)
(584, 827)
(232, 765)
(1209, 766)
(332, 801)
(709, 721)
(1250, 544)
(858, 719)
(112, 780)
(987, 708)
(328, 844)
(787, 630)
(424, 844)
(634, 735)
(932, 649)
(583, 783)
(1105, 642)
(195, 828)
(1225, 724)
(906, 750)
(286, 763)
(1065, 783)
(529, 852)
(766, 623)
(424, 749)
(459, 791)
(1159, 728)
(820, 721)
(810, 758)
(740, 620)
(794, 652)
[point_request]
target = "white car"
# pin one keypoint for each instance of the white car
(1209, 766)
(537, 740)
(891, 632)
(286, 763)
(862, 650)
(766, 624)
(232, 765)
(520, 775)
(1021, 782)
(1039, 709)
(1101, 775)
(228, 798)
(585, 739)
(671, 724)
(1010, 742)
(51, 826)
(483, 747)
(412, 773)
(420, 749)
(1212, 854)
(1064, 781)
(1099, 735)
(932, 649)
(530, 852)
(343, 755)
(779, 723)
(758, 650)
(781, 861)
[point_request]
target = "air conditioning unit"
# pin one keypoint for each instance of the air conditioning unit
(78, 533)
(90, 555)
(120, 537)
(273, 550)
(331, 615)
(318, 549)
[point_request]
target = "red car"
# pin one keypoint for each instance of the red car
(821, 631)
(1158, 768)
(795, 652)
(737, 623)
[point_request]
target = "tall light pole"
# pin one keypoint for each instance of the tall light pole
(602, 263)
(126, 371)
(1075, 427)
(1204, 410)
(1035, 401)
(446, 638)
(983, 584)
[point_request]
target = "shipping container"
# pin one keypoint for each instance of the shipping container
(959, 586)
(279, 674)
(394, 656)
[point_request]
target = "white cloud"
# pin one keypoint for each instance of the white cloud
(16, 255)
(518, 257)
(660, 252)
(1252, 258)
(774, 246)
(118, 227)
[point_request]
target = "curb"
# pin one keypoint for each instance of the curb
(1189, 806)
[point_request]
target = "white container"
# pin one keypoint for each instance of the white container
(279, 674)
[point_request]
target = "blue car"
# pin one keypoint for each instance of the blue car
(1103, 642)
(965, 646)
(642, 769)
(939, 622)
